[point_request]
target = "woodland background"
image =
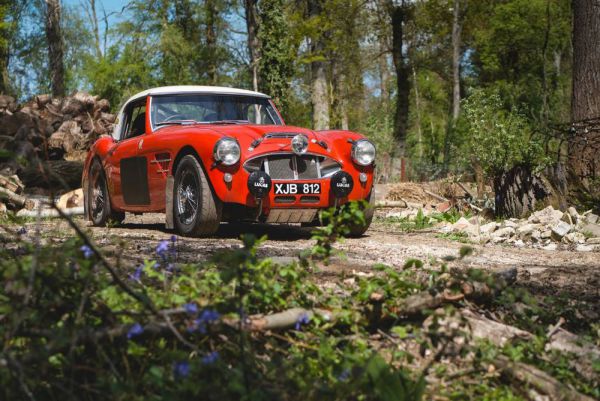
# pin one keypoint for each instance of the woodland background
(459, 87)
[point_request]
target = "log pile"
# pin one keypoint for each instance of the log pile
(55, 132)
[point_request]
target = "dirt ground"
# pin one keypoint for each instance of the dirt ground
(570, 275)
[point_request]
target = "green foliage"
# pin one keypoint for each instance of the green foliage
(278, 51)
(338, 222)
(496, 139)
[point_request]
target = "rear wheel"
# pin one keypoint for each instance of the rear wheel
(196, 210)
(98, 200)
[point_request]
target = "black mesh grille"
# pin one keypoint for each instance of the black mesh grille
(307, 167)
(281, 168)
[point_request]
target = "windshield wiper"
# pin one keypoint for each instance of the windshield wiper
(227, 122)
(177, 122)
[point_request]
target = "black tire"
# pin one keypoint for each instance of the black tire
(358, 230)
(191, 188)
(98, 199)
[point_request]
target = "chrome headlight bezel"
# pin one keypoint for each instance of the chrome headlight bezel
(299, 144)
(363, 152)
(227, 151)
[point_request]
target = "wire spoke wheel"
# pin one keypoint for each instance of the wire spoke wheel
(98, 197)
(188, 190)
(196, 209)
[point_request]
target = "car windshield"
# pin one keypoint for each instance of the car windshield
(212, 109)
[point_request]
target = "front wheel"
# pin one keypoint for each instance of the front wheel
(357, 230)
(196, 210)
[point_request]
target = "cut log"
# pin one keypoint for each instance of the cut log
(55, 174)
(391, 204)
(12, 184)
(18, 200)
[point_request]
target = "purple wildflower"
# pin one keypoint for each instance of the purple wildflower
(210, 358)
(191, 308)
(302, 319)
(181, 369)
(344, 376)
(137, 274)
(135, 330)
(173, 238)
(87, 251)
(206, 317)
(162, 249)
(22, 231)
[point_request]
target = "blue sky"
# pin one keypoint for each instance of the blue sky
(109, 5)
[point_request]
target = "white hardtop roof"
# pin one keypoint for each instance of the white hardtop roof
(175, 90)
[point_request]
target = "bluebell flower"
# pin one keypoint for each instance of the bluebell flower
(181, 369)
(191, 308)
(170, 267)
(135, 330)
(344, 376)
(162, 249)
(173, 238)
(87, 251)
(302, 319)
(210, 358)
(22, 231)
(137, 274)
(206, 317)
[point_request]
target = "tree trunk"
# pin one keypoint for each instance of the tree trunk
(319, 94)
(55, 47)
(519, 192)
(456, 54)
(584, 144)
(250, 7)
(398, 15)
(211, 40)
(456, 43)
(5, 37)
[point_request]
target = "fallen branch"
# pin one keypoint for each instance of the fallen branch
(436, 196)
(45, 213)
(540, 380)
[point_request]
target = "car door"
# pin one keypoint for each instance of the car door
(126, 168)
(158, 157)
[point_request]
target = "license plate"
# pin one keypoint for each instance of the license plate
(297, 189)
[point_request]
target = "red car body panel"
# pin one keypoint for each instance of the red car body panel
(162, 147)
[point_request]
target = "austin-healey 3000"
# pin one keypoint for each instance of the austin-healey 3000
(206, 155)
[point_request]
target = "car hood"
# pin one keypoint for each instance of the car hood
(277, 138)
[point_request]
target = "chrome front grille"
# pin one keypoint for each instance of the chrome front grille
(288, 166)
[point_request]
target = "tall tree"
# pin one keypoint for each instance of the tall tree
(318, 81)
(277, 52)
(5, 38)
(211, 15)
(399, 13)
(54, 40)
(584, 145)
(456, 54)
(252, 24)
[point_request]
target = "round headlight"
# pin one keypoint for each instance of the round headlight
(363, 152)
(227, 151)
(299, 144)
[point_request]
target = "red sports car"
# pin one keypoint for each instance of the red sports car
(203, 155)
